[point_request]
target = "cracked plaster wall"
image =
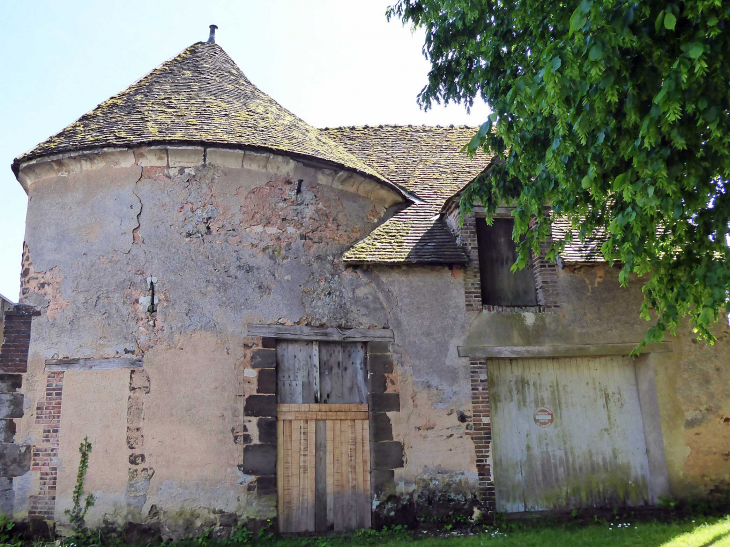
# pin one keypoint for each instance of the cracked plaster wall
(228, 246)
(231, 246)
(691, 381)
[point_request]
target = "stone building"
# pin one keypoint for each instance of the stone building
(251, 318)
(5, 304)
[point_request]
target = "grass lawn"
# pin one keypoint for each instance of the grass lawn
(694, 532)
(690, 532)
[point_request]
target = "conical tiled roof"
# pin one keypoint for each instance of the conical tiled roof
(200, 96)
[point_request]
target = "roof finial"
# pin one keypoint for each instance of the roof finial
(211, 38)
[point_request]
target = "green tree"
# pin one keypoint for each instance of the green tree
(616, 113)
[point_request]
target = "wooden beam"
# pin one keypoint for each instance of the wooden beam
(577, 350)
(104, 363)
(315, 372)
(298, 332)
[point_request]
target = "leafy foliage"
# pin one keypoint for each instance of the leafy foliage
(617, 114)
(77, 513)
(6, 529)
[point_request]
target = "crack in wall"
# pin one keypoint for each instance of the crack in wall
(136, 238)
(135, 230)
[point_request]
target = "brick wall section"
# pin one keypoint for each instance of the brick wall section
(16, 338)
(16, 459)
(546, 277)
(472, 281)
(45, 455)
(544, 271)
(481, 433)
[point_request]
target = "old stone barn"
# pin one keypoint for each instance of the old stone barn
(251, 318)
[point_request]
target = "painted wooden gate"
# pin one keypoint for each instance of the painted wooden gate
(323, 462)
(567, 433)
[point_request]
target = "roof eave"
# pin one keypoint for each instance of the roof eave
(20, 161)
(408, 262)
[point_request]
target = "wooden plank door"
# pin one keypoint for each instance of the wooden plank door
(323, 465)
(567, 434)
(323, 470)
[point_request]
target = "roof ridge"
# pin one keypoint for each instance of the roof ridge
(401, 126)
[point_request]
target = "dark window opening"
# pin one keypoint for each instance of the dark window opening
(497, 254)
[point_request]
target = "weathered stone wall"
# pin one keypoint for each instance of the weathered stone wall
(691, 380)
(15, 457)
(223, 247)
(166, 256)
(694, 399)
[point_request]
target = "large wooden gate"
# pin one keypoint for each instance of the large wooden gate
(567, 434)
(323, 463)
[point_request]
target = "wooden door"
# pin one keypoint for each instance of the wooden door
(567, 434)
(323, 464)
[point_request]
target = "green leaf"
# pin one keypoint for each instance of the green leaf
(622, 179)
(595, 53)
(577, 20)
(631, 175)
(706, 316)
(696, 50)
(659, 21)
(661, 94)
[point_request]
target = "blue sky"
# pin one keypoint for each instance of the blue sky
(330, 62)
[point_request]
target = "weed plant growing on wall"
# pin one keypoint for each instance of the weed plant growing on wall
(614, 112)
(77, 513)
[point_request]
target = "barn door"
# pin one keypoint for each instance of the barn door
(323, 465)
(567, 434)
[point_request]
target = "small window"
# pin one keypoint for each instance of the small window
(497, 253)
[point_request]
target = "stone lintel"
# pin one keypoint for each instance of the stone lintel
(331, 334)
(577, 350)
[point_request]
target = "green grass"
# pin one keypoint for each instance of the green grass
(691, 532)
(700, 532)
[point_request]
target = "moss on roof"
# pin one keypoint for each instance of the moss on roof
(416, 235)
(200, 96)
(428, 162)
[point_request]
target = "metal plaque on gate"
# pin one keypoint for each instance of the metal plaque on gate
(543, 416)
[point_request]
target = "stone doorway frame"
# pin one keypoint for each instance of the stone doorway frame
(382, 356)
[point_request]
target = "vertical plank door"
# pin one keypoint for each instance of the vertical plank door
(323, 466)
(567, 434)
